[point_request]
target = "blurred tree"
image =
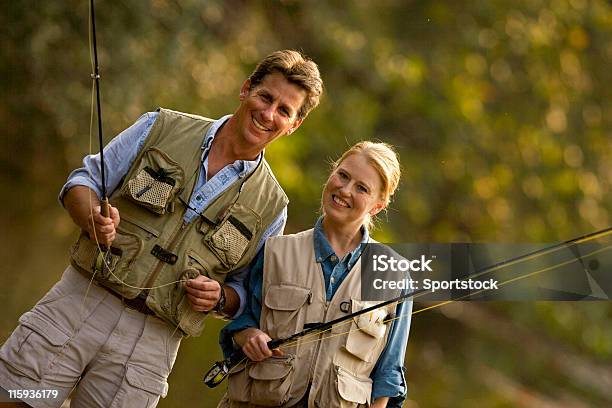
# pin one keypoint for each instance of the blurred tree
(501, 112)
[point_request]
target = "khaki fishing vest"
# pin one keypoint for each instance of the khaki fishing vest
(154, 248)
(337, 364)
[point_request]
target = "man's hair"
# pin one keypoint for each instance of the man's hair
(297, 69)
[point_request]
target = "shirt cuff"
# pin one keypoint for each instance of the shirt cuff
(226, 341)
(393, 385)
(78, 180)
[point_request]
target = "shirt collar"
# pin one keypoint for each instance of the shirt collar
(246, 166)
(323, 249)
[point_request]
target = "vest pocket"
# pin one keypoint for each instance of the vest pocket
(271, 380)
(285, 302)
(190, 321)
(113, 266)
(343, 389)
(239, 383)
(367, 333)
(232, 237)
(155, 182)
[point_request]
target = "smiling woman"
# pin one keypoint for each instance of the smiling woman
(378, 167)
(357, 366)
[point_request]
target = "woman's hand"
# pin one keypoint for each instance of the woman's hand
(254, 343)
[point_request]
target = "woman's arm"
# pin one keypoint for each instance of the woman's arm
(387, 376)
(249, 319)
(380, 402)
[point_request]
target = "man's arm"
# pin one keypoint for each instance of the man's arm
(80, 195)
(119, 154)
(83, 205)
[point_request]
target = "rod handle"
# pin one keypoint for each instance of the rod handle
(105, 208)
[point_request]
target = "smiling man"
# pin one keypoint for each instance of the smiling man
(192, 202)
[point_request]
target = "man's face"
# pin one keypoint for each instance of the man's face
(268, 110)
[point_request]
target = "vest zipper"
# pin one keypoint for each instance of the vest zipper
(175, 238)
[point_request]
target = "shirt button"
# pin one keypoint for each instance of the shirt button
(198, 198)
(333, 280)
(333, 258)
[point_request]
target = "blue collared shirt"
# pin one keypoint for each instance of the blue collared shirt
(388, 374)
(121, 152)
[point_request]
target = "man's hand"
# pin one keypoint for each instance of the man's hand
(254, 343)
(82, 203)
(103, 229)
(203, 293)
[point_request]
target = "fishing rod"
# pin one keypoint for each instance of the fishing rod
(104, 205)
(217, 373)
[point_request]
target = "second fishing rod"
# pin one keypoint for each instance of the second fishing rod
(221, 369)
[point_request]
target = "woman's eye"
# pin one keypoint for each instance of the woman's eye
(342, 175)
(362, 189)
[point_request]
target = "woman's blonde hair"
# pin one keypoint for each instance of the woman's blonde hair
(383, 157)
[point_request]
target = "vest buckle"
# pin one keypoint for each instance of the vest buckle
(164, 255)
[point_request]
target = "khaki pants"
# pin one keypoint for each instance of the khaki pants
(79, 335)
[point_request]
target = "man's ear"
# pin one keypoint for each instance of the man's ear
(295, 125)
(244, 90)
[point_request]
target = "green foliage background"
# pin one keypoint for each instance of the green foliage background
(501, 112)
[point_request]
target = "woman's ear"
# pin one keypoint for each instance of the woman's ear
(378, 207)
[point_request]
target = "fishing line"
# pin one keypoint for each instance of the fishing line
(445, 302)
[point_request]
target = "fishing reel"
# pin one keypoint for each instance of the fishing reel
(217, 373)
(221, 369)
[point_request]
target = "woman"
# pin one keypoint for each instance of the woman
(312, 277)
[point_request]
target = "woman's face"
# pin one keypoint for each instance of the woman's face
(353, 191)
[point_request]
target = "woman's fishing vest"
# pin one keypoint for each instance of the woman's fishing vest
(154, 248)
(333, 367)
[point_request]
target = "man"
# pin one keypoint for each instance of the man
(192, 202)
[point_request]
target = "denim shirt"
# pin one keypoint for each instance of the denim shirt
(388, 374)
(120, 153)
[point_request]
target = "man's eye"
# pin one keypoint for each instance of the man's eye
(342, 175)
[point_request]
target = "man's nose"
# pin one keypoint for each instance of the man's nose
(268, 113)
